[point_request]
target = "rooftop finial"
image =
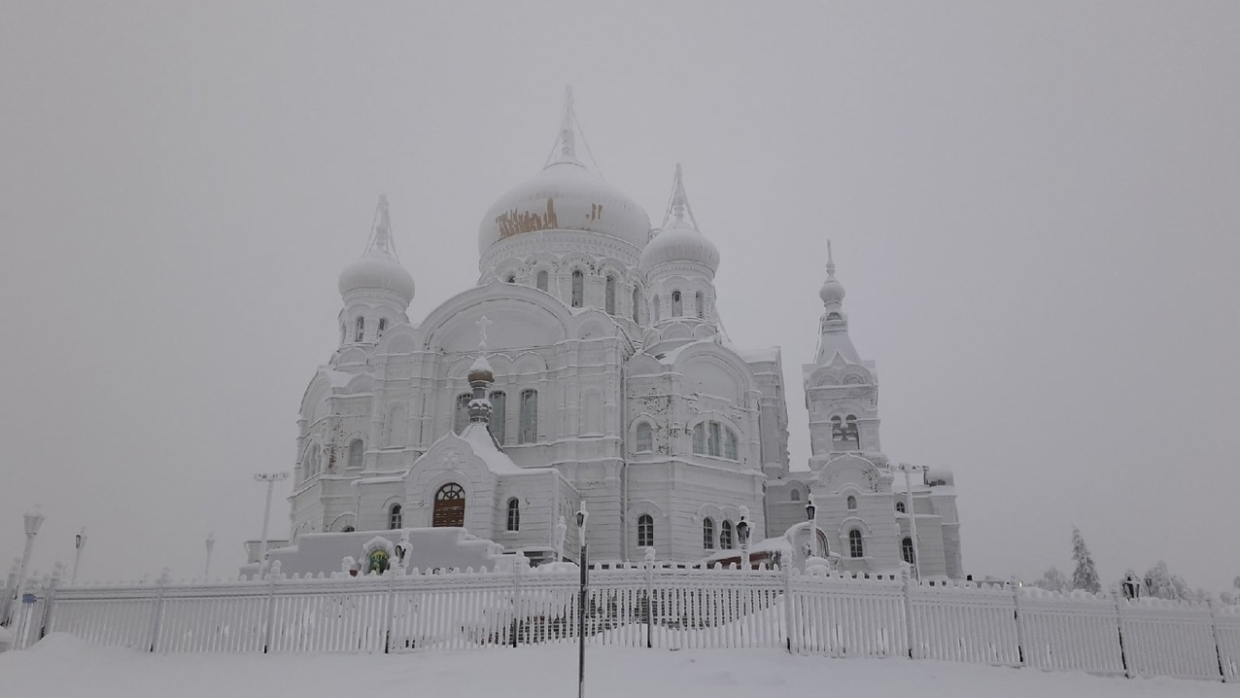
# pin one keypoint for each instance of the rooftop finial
(830, 262)
(568, 134)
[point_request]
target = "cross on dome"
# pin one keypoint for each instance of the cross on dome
(483, 323)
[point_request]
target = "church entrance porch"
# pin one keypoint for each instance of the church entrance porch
(449, 507)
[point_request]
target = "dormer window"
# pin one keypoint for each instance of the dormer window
(609, 300)
(361, 329)
(677, 306)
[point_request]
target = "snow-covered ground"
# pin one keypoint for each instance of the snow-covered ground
(62, 667)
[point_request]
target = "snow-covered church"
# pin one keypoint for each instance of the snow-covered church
(588, 366)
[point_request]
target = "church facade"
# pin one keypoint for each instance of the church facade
(588, 367)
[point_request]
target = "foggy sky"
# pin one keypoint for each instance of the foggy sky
(1033, 206)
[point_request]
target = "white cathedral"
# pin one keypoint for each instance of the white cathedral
(589, 367)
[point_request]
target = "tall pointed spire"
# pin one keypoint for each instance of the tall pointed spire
(381, 237)
(830, 261)
(679, 204)
(832, 291)
(566, 144)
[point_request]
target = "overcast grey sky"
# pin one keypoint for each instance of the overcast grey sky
(1034, 208)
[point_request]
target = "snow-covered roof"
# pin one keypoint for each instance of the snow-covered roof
(765, 354)
(483, 445)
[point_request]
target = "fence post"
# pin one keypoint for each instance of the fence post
(394, 572)
(788, 629)
(907, 587)
(269, 613)
(649, 604)
(58, 573)
(516, 602)
(1218, 647)
(1020, 623)
(1119, 623)
(157, 614)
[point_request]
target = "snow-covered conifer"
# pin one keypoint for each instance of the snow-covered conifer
(1085, 576)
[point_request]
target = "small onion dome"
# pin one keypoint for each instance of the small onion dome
(679, 242)
(376, 270)
(564, 196)
(832, 291)
(481, 371)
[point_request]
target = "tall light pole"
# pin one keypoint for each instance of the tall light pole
(912, 516)
(79, 542)
(271, 479)
(584, 559)
(33, 520)
(742, 532)
(206, 569)
(811, 513)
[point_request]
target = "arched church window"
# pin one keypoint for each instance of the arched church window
(714, 440)
(645, 438)
(852, 503)
(708, 533)
(499, 415)
(540, 281)
(355, 453)
(382, 327)
(844, 432)
(699, 438)
(529, 417)
(609, 298)
(725, 535)
(795, 495)
(395, 518)
(637, 302)
(460, 418)
(698, 301)
(677, 307)
(906, 550)
(361, 329)
(579, 289)
(900, 507)
(645, 531)
(856, 548)
(514, 515)
(729, 445)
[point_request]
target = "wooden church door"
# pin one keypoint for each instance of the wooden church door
(449, 507)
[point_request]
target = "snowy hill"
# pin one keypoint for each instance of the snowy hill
(62, 667)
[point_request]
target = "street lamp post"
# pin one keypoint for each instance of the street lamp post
(33, 520)
(79, 542)
(271, 479)
(584, 561)
(811, 513)
(742, 532)
(206, 570)
(912, 517)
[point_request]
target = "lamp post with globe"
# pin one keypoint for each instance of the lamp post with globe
(742, 532)
(33, 520)
(811, 513)
(584, 561)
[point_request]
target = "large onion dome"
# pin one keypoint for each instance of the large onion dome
(680, 240)
(378, 268)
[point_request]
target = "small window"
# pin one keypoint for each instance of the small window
(677, 307)
(637, 303)
(382, 327)
(361, 329)
(729, 445)
(852, 503)
(541, 281)
(529, 417)
(579, 289)
(699, 438)
(645, 438)
(512, 278)
(514, 515)
(855, 546)
(906, 550)
(355, 453)
(347, 529)
(725, 535)
(645, 531)
(609, 299)
(499, 410)
(900, 507)
(795, 496)
(460, 418)
(708, 533)
(395, 519)
(698, 301)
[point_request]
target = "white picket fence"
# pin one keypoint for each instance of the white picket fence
(838, 615)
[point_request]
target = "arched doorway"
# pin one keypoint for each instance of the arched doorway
(449, 506)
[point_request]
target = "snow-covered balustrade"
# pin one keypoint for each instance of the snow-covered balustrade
(843, 615)
(1078, 631)
(964, 622)
(650, 605)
